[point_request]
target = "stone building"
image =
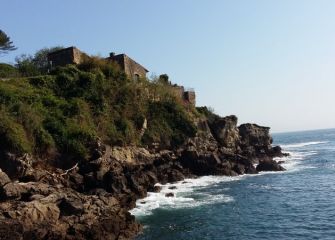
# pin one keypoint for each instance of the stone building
(188, 96)
(70, 55)
(133, 69)
(73, 55)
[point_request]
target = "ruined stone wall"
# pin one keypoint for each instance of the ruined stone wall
(77, 56)
(65, 56)
(178, 91)
(133, 69)
(189, 96)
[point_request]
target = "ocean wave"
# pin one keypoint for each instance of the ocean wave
(184, 195)
(299, 145)
(294, 162)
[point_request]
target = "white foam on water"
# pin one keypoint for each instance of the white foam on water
(299, 145)
(294, 161)
(185, 194)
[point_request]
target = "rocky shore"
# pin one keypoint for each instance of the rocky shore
(91, 199)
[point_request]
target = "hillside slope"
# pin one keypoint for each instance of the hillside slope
(79, 146)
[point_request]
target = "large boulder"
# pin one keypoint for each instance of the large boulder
(225, 131)
(4, 179)
(205, 163)
(255, 139)
(269, 165)
(15, 166)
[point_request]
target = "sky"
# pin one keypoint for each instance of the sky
(268, 62)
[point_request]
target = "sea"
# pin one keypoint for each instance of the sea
(296, 204)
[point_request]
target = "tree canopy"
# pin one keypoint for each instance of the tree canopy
(37, 64)
(6, 44)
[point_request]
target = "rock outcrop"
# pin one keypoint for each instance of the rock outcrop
(91, 199)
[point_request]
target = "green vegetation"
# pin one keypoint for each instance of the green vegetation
(28, 65)
(65, 112)
(8, 71)
(6, 44)
(208, 113)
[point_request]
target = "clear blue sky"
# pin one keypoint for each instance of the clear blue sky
(268, 62)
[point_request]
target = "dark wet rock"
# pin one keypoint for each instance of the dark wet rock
(170, 194)
(70, 206)
(11, 229)
(269, 165)
(157, 189)
(225, 131)
(4, 179)
(239, 169)
(276, 151)
(200, 164)
(12, 191)
(15, 166)
(255, 135)
(92, 200)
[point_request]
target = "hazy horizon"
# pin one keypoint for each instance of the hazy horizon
(267, 62)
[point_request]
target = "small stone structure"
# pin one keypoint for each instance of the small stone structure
(73, 55)
(70, 55)
(188, 95)
(133, 69)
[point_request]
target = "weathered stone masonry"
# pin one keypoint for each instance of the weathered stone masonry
(134, 70)
(70, 55)
(73, 55)
(130, 67)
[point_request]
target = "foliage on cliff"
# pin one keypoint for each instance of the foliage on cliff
(65, 112)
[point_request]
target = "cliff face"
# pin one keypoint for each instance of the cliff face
(91, 200)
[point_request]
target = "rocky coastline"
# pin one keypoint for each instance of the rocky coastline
(91, 199)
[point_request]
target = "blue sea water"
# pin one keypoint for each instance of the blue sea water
(296, 204)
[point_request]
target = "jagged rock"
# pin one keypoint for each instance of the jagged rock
(157, 189)
(170, 194)
(70, 206)
(276, 151)
(202, 164)
(11, 229)
(15, 166)
(225, 131)
(4, 179)
(255, 140)
(93, 202)
(239, 169)
(12, 191)
(255, 135)
(37, 212)
(269, 165)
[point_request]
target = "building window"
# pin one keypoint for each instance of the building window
(136, 77)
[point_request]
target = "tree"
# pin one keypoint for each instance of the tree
(164, 78)
(40, 59)
(26, 66)
(29, 65)
(6, 44)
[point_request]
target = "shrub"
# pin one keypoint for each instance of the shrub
(168, 123)
(12, 134)
(66, 111)
(8, 71)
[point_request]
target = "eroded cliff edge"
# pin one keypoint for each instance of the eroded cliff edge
(79, 145)
(91, 199)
